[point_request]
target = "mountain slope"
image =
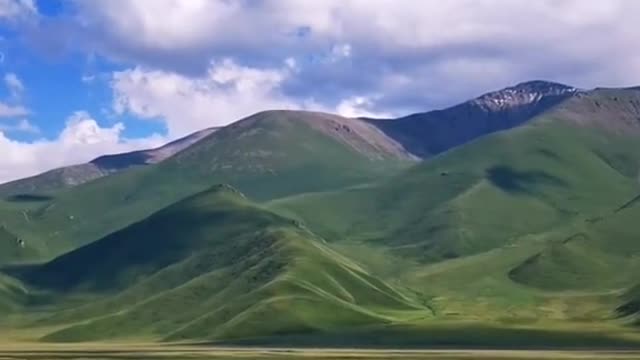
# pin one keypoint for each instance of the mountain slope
(234, 269)
(12, 247)
(430, 133)
(267, 155)
(539, 175)
(11, 295)
(74, 175)
(533, 224)
(519, 182)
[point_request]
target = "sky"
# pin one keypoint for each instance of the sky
(81, 78)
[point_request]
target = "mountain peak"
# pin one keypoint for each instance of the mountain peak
(524, 93)
(542, 85)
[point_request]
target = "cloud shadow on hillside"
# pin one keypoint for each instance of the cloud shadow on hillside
(521, 182)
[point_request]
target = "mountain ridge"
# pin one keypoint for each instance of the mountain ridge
(73, 175)
(429, 133)
(407, 136)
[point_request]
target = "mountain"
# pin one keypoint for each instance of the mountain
(430, 133)
(267, 155)
(74, 175)
(331, 232)
(421, 135)
(215, 266)
(531, 225)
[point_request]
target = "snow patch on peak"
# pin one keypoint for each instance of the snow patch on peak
(526, 93)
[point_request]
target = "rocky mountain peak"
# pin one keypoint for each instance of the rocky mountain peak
(526, 93)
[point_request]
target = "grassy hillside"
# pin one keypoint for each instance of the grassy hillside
(483, 195)
(214, 266)
(19, 241)
(268, 155)
(12, 295)
(533, 226)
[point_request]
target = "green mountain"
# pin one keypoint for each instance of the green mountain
(270, 154)
(531, 225)
(215, 266)
(337, 236)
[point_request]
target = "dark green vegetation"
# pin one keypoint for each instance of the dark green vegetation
(335, 236)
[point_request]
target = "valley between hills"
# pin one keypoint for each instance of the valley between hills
(507, 221)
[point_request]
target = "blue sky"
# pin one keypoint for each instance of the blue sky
(85, 77)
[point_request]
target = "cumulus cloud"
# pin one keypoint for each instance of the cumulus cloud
(227, 92)
(80, 141)
(345, 48)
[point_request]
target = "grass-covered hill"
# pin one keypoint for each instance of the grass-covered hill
(268, 155)
(532, 225)
(215, 266)
(484, 195)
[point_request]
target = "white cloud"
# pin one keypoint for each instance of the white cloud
(390, 25)
(21, 126)
(80, 141)
(416, 39)
(227, 92)
(7, 110)
(14, 84)
(359, 106)
(15, 88)
(162, 24)
(16, 9)
(81, 129)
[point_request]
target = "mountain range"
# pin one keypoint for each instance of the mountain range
(507, 220)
